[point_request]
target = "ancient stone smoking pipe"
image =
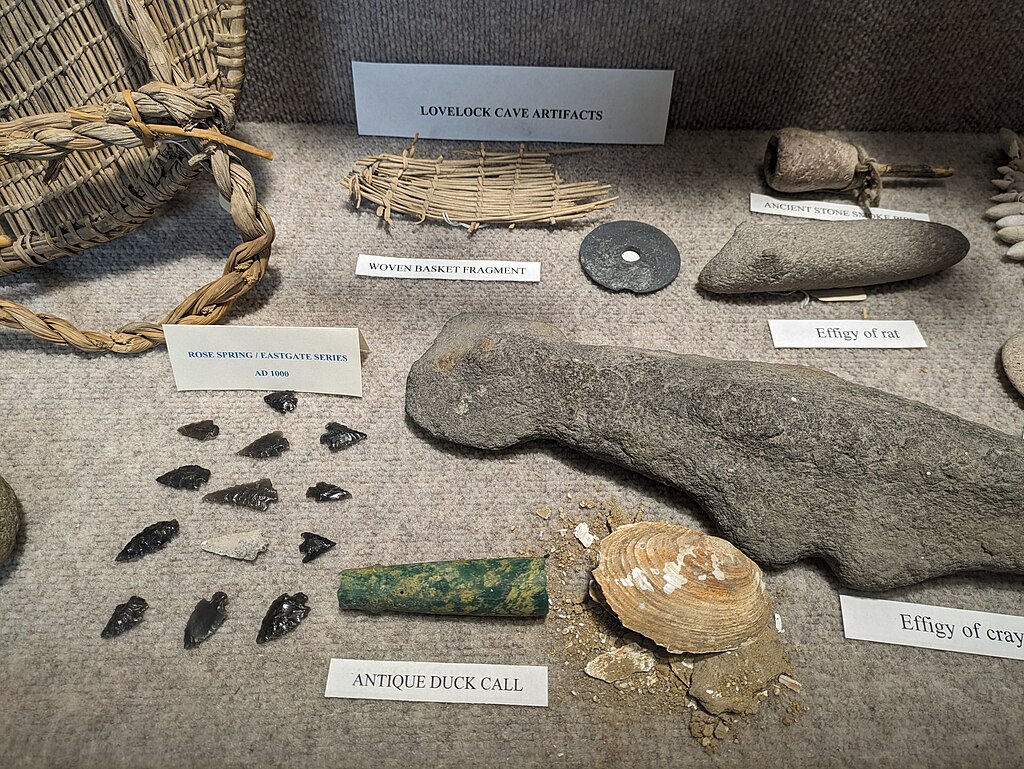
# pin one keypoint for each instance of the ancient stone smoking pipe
(797, 160)
(791, 462)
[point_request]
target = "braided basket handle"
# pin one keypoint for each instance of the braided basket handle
(170, 105)
(245, 267)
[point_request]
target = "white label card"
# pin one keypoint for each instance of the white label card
(438, 682)
(554, 104)
(447, 269)
(819, 209)
(846, 333)
(933, 627)
(314, 360)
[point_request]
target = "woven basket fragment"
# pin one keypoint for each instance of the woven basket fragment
(483, 188)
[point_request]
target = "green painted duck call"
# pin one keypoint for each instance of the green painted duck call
(489, 587)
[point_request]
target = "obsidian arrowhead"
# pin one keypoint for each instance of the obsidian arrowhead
(126, 616)
(314, 545)
(205, 430)
(327, 492)
(283, 401)
(149, 540)
(284, 615)
(270, 445)
(258, 495)
(339, 437)
(185, 477)
(205, 619)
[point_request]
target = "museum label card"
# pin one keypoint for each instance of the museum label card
(553, 104)
(438, 682)
(933, 627)
(846, 333)
(314, 360)
(819, 209)
(447, 269)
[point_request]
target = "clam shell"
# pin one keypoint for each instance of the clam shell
(683, 589)
(619, 664)
(1010, 221)
(1004, 209)
(1011, 234)
(1016, 251)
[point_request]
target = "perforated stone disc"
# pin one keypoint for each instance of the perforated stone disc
(629, 256)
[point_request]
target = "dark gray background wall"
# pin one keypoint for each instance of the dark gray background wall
(898, 65)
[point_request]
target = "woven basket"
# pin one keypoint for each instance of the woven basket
(112, 107)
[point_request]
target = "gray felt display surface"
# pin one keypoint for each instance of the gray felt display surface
(870, 65)
(83, 438)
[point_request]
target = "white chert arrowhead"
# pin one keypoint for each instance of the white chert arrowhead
(244, 546)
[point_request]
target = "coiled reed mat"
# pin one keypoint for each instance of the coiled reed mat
(483, 188)
(111, 108)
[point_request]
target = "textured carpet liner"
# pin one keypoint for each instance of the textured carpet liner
(84, 437)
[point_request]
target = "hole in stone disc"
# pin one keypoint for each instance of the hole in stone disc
(630, 256)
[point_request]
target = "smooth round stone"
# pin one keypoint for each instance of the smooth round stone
(9, 519)
(1013, 361)
(629, 256)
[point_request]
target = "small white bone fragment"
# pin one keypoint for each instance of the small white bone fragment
(790, 683)
(582, 533)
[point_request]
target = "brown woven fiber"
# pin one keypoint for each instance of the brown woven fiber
(111, 108)
(483, 188)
